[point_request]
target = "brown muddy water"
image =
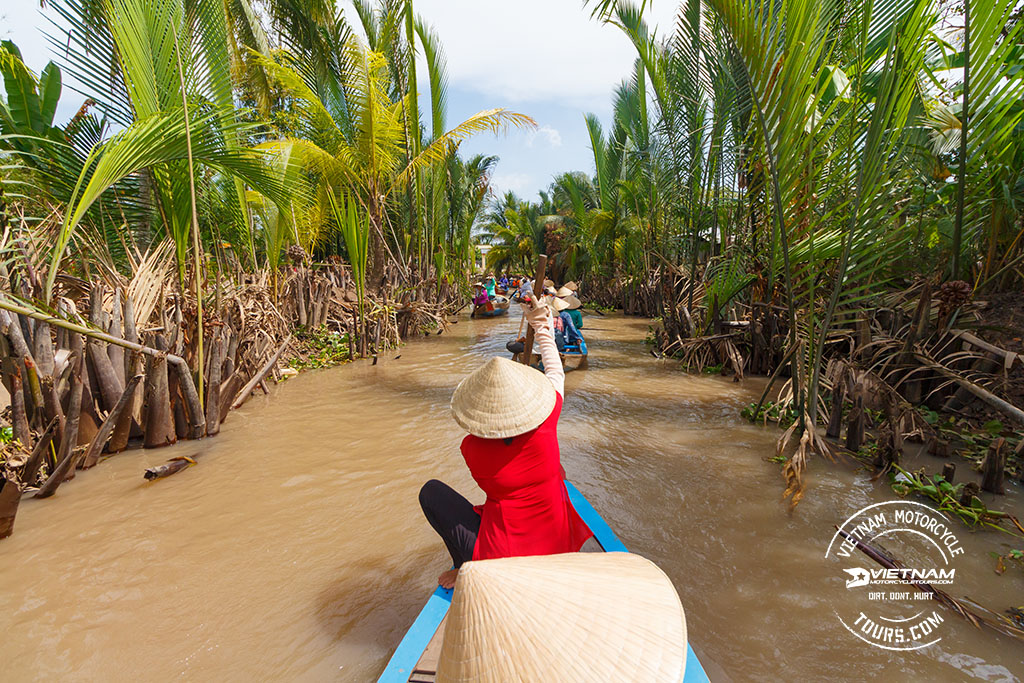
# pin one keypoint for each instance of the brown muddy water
(296, 550)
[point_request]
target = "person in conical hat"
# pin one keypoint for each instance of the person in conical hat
(480, 298)
(511, 413)
(565, 332)
(573, 310)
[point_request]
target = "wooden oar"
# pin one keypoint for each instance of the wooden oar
(538, 290)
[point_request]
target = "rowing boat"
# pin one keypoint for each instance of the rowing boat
(416, 657)
(579, 349)
(495, 307)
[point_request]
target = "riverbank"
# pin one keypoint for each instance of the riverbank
(295, 549)
(124, 362)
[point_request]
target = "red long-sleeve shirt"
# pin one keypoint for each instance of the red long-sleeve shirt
(527, 511)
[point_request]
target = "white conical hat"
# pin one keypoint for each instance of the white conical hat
(558, 304)
(571, 617)
(563, 292)
(502, 399)
(572, 285)
(573, 302)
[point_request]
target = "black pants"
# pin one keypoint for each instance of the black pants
(452, 517)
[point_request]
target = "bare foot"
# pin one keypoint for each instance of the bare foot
(447, 579)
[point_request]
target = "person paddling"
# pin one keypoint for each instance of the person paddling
(574, 311)
(512, 454)
(480, 299)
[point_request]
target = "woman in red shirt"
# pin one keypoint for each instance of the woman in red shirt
(511, 413)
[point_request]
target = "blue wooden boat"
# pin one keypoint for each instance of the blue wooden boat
(579, 349)
(415, 658)
(495, 307)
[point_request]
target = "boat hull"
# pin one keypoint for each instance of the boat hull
(482, 312)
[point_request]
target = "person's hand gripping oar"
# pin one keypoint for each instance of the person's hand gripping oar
(537, 313)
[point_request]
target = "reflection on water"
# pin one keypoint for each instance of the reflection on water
(295, 550)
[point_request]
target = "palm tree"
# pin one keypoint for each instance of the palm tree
(361, 151)
(787, 150)
(466, 197)
(175, 102)
(515, 230)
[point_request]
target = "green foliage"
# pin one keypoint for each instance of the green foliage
(6, 435)
(30, 104)
(515, 231)
(652, 336)
(770, 411)
(323, 349)
(1016, 557)
(47, 159)
(323, 112)
(795, 154)
(971, 440)
(993, 427)
(356, 232)
(947, 495)
(364, 152)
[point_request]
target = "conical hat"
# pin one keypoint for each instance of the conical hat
(572, 285)
(502, 399)
(563, 292)
(549, 283)
(558, 304)
(571, 617)
(573, 302)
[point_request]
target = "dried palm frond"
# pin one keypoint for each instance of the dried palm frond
(148, 280)
(793, 470)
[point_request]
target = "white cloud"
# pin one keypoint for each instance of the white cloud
(533, 50)
(524, 51)
(554, 138)
(519, 183)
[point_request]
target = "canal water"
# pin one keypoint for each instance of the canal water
(296, 551)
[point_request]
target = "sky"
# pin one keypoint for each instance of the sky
(544, 58)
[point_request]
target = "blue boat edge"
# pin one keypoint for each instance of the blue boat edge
(606, 538)
(416, 639)
(576, 349)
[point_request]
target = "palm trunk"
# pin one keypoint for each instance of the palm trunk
(92, 456)
(158, 421)
(66, 453)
